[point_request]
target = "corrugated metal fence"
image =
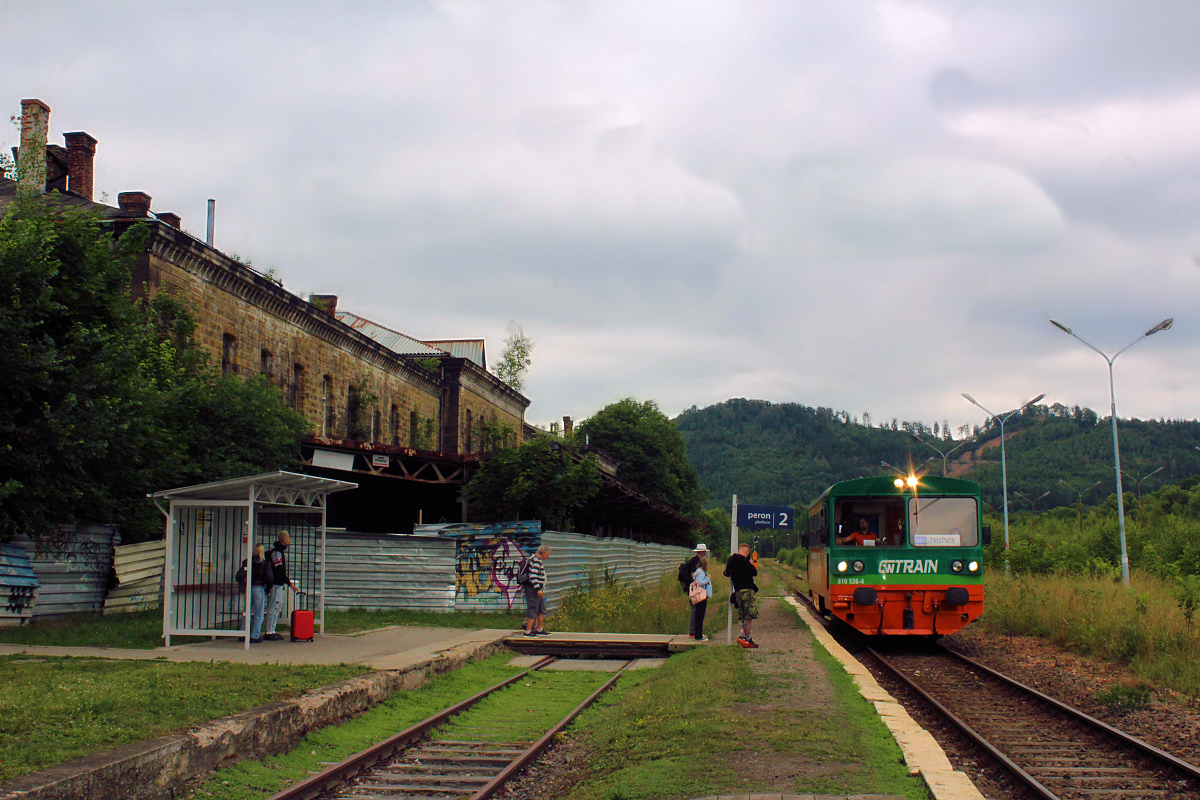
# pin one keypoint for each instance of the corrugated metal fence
(73, 568)
(138, 569)
(389, 570)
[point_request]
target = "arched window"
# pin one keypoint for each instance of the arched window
(229, 354)
(296, 390)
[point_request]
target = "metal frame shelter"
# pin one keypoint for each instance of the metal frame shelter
(211, 531)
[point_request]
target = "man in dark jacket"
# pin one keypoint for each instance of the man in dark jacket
(277, 562)
(741, 574)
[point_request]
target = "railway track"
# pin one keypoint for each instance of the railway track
(1055, 751)
(419, 764)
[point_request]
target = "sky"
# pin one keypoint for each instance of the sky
(868, 206)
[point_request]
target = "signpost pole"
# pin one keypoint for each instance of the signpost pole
(733, 544)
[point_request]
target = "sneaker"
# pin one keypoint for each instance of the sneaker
(749, 643)
(256, 641)
(743, 642)
(530, 633)
(273, 637)
(541, 633)
(701, 638)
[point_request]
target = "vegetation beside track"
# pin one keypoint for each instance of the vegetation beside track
(1150, 626)
(54, 710)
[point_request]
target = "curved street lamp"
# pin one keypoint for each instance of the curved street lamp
(1139, 489)
(1003, 462)
(1162, 326)
(945, 455)
(1081, 494)
(1032, 504)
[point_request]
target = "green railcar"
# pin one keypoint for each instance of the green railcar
(898, 555)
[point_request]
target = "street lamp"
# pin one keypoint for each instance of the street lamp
(1162, 326)
(1003, 462)
(945, 455)
(1139, 490)
(1081, 494)
(901, 472)
(1033, 505)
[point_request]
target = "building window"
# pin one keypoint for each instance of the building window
(376, 424)
(266, 363)
(394, 423)
(467, 448)
(414, 424)
(327, 401)
(228, 354)
(352, 427)
(296, 390)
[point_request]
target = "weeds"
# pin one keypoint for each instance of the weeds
(1123, 698)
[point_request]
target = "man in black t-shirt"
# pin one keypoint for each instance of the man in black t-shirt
(741, 574)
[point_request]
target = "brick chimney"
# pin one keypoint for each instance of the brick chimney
(325, 302)
(568, 426)
(134, 204)
(35, 124)
(81, 151)
(169, 218)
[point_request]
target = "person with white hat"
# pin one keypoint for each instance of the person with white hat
(688, 568)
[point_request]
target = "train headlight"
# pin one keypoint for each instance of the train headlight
(899, 483)
(912, 481)
(842, 566)
(956, 565)
(858, 566)
(973, 566)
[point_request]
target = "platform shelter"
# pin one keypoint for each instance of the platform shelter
(211, 532)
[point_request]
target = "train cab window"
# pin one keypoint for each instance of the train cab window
(869, 523)
(943, 522)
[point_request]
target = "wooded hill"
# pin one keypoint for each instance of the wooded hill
(787, 454)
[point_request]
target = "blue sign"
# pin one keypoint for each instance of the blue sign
(765, 516)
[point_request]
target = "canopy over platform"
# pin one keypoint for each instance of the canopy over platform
(212, 529)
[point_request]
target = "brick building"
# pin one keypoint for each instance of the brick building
(379, 402)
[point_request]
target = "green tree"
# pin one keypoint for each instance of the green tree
(515, 359)
(652, 454)
(540, 479)
(106, 399)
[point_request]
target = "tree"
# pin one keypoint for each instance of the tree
(651, 452)
(540, 478)
(515, 359)
(104, 398)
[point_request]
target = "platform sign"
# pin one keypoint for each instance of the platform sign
(749, 516)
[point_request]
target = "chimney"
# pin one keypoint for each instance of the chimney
(81, 150)
(325, 302)
(568, 426)
(169, 218)
(134, 204)
(35, 124)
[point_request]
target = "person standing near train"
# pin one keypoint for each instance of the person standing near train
(700, 576)
(741, 574)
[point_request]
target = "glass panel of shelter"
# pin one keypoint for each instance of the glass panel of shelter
(885, 518)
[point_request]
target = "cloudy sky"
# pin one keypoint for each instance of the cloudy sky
(870, 206)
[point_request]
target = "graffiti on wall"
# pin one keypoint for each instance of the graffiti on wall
(487, 558)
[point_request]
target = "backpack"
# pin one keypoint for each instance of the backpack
(240, 577)
(685, 574)
(523, 572)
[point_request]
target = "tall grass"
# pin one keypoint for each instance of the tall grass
(1150, 626)
(611, 606)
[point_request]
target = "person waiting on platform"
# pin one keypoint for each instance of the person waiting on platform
(863, 536)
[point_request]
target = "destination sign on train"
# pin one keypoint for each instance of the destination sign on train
(749, 516)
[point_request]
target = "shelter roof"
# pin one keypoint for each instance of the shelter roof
(277, 485)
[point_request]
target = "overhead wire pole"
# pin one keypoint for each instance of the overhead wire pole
(945, 455)
(1139, 490)
(1003, 462)
(1162, 326)
(1081, 494)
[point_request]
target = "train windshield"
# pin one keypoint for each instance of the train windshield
(869, 522)
(943, 522)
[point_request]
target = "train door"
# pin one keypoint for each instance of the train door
(817, 541)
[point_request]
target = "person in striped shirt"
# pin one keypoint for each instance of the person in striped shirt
(535, 595)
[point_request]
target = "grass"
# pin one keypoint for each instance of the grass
(615, 607)
(1143, 626)
(57, 709)
(679, 731)
(253, 780)
(359, 619)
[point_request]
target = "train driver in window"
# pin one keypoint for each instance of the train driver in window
(863, 536)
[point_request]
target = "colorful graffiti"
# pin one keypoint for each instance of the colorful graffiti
(486, 561)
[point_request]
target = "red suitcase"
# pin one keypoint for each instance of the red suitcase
(302, 625)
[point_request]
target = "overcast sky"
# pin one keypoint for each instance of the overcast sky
(870, 206)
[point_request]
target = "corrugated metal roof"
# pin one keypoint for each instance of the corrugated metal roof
(239, 488)
(393, 340)
(463, 348)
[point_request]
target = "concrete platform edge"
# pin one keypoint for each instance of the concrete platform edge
(159, 768)
(921, 751)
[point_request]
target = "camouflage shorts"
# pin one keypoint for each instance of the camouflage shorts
(747, 604)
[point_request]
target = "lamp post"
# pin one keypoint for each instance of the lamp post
(901, 472)
(1081, 494)
(1112, 393)
(1139, 490)
(1032, 504)
(945, 455)
(1003, 462)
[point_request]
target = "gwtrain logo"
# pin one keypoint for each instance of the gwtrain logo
(907, 567)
